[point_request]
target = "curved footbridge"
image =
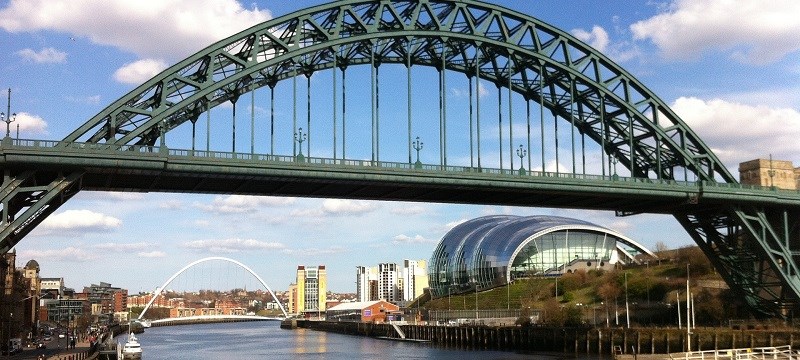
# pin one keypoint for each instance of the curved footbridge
(207, 319)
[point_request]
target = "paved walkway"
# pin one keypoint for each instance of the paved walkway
(54, 353)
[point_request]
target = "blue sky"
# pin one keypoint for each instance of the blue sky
(729, 69)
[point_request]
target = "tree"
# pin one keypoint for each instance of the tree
(661, 246)
(552, 314)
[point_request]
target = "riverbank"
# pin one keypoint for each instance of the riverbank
(602, 341)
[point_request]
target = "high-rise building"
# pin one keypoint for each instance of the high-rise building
(415, 278)
(366, 283)
(311, 287)
(120, 300)
(388, 288)
(292, 305)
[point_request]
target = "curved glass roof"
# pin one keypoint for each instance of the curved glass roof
(480, 252)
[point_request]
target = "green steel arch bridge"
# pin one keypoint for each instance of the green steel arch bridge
(569, 128)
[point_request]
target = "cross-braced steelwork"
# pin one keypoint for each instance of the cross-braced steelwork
(750, 234)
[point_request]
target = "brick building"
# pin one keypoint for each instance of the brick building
(364, 311)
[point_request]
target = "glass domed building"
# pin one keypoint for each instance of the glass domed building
(493, 250)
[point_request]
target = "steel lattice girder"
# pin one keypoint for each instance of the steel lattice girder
(613, 108)
(28, 197)
(752, 249)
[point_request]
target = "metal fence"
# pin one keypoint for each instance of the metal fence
(447, 315)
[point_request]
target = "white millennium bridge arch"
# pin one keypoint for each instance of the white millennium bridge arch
(243, 266)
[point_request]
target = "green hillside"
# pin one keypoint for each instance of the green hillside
(593, 296)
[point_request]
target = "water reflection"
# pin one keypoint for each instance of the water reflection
(257, 340)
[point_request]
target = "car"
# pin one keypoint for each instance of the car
(47, 338)
(60, 336)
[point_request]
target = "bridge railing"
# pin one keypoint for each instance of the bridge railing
(299, 160)
(85, 146)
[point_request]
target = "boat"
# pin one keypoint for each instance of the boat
(132, 349)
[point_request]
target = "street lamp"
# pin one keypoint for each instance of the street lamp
(770, 172)
(417, 145)
(614, 160)
(300, 137)
(627, 311)
(11, 117)
(521, 153)
(8, 120)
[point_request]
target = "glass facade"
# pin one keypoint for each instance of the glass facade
(492, 250)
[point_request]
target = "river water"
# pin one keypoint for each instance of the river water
(266, 340)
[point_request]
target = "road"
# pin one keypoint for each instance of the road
(56, 349)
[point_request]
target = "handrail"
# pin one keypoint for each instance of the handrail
(773, 352)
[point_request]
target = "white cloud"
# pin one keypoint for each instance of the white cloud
(122, 247)
(232, 245)
(750, 31)
(482, 90)
(152, 254)
(70, 254)
(44, 56)
(80, 220)
(449, 226)
(171, 205)
(111, 196)
(139, 71)
(29, 123)
(173, 28)
(347, 207)
(596, 38)
(315, 252)
(337, 207)
(738, 132)
(405, 239)
(408, 210)
(237, 204)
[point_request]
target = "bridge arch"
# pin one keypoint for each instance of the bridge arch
(212, 258)
(512, 50)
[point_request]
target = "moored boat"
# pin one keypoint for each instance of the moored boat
(132, 349)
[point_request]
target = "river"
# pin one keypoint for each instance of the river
(266, 340)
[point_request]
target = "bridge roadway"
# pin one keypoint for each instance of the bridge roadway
(148, 168)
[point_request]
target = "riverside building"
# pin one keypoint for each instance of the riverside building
(390, 282)
(308, 293)
(494, 250)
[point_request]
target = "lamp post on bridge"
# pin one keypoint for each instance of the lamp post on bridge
(614, 161)
(521, 153)
(417, 145)
(11, 117)
(771, 173)
(300, 137)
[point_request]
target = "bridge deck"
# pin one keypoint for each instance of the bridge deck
(152, 169)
